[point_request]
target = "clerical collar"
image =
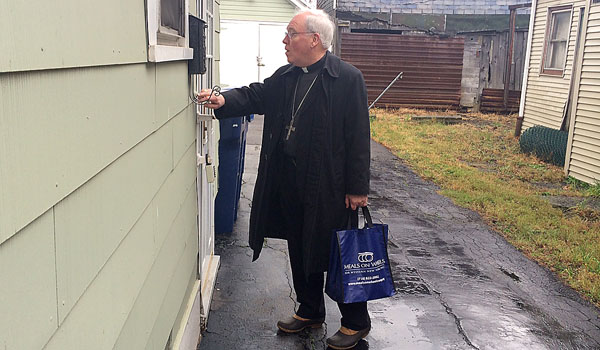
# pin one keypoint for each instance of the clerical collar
(315, 66)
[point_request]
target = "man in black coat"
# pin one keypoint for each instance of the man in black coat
(314, 163)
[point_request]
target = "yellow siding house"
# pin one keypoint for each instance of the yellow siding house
(562, 80)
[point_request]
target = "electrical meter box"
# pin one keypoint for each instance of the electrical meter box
(197, 65)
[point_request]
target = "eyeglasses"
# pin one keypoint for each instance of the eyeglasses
(292, 34)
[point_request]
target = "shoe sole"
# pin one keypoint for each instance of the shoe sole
(347, 347)
(293, 331)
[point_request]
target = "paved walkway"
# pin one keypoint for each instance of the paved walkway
(460, 285)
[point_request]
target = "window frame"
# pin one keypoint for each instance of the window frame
(548, 38)
(163, 44)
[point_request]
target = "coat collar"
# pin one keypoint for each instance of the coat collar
(332, 66)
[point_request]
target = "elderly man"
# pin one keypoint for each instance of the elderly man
(314, 163)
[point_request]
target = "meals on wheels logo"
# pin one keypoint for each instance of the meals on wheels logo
(365, 257)
(366, 261)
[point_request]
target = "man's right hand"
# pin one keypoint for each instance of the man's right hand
(215, 102)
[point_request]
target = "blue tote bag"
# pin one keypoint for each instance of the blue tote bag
(359, 266)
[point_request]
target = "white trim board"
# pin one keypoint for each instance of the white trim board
(189, 331)
(162, 53)
(209, 279)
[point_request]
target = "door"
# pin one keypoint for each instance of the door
(250, 51)
(239, 50)
(271, 50)
(207, 160)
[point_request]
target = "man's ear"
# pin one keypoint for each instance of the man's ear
(316, 40)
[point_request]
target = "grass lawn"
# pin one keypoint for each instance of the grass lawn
(477, 163)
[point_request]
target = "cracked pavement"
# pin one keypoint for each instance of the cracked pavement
(460, 285)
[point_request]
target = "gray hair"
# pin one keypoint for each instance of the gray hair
(318, 21)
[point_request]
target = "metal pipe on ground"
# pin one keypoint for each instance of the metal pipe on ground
(386, 89)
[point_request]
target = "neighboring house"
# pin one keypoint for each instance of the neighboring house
(252, 32)
(448, 16)
(105, 219)
(481, 25)
(562, 79)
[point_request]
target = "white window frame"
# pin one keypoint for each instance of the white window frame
(172, 47)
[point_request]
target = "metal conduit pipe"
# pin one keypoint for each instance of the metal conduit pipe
(519, 125)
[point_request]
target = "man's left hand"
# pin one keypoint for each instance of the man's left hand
(355, 201)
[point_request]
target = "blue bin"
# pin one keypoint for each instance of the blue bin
(232, 147)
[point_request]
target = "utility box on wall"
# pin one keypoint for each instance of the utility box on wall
(197, 65)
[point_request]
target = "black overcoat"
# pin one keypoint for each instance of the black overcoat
(332, 158)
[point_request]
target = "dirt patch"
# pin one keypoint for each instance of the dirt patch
(587, 206)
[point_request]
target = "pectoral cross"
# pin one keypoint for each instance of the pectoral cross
(290, 129)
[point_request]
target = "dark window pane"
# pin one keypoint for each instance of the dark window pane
(171, 15)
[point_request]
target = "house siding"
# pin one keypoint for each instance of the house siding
(262, 10)
(546, 95)
(109, 213)
(98, 223)
(584, 161)
(28, 316)
(65, 34)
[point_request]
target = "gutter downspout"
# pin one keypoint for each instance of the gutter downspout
(526, 75)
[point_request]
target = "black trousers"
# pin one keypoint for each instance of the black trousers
(309, 289)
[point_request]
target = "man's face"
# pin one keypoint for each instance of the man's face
(297, 49)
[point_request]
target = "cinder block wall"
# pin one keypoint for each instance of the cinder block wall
(470, 73)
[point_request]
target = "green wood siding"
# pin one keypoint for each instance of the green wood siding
(87, 117)
(258, 10)
(61, 34)
(96, 320)
(91, 222)
(118, 294)
(171, 90)
(172, 197)
(28, 286)
(61, 127)
(176, 286)
(130, 163)
(98, 212)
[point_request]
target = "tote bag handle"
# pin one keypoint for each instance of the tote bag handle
(352, 221)
(367, 216)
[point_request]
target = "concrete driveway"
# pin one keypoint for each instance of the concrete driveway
(460, 285)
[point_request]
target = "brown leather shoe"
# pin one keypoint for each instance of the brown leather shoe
(346, 338)
(295, 324)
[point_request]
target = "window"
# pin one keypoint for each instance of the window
(172, 23)
(558, 29)
(168, 30)
(172, 16)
